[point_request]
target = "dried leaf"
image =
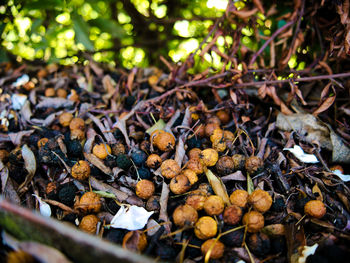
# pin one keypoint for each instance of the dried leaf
(316, 189)
(325, 105)
(218, 186)
(180, 151)
(159, 125)
(54, 103)
(245, 13)
(29, 164)
(233, 96)
(98, 163)
(236, 176)
(262, 91)
(43, 253)
(96, 184)
(16, 137)
(259, 5)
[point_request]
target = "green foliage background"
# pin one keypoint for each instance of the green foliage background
(126, 32)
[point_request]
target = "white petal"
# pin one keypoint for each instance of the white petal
(44, 207)
(18, 100)
(131, 218)
(344, 177)
(21, 81)
(299, 153)
(307, 251)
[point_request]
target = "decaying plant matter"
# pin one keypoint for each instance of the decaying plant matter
(190, 167)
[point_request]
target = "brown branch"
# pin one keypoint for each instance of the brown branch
(274, 35)
(304, 79)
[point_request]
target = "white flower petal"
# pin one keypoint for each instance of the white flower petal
(131, 218)
(299, 153)
(44, 207)
(18, 100)
(21, 81)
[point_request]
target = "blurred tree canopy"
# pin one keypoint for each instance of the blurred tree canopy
(132, 33)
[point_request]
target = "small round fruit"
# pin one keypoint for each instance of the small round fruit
(50, 92)
(205, 228)
(164, 141)
(77, 134)
(191, 175)
(61, 93)
(195, 165)
(209, 157)
(260, 200)
(153, 161)
(65, 119)
(4, 155)
(135, 241)
(170, 168)
(185, 215)
(215, 247)
(229, 136)
(196, 199)
(101, 150)
(214, 205)
(219, 145)
(179, 184)
(210, 128)
(77, 124)
(254, 221)
(217, 135)
(253, 164)
(194, 153)
(223, 116)
(81, 170)
(90, 202)
(89, 224)
(315, 208)
(225, 165)
(118, 148)
(239, 198)
(232, 215)
(145, 189)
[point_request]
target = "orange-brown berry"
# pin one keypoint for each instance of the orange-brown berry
(214, 205)
(90, 202)
(223, 116)
(225, 165)
(4, 155)
(209, 157)
(77, 124)
(62, 93)
(196, 199)
(77, 134)
(232, 215)
(89, 224)
(170, 168)
(81, 170)
(185, 215)
(153, 161)
(238, 161)
(239, 197)
(210, 128)
(50, 92)
(191, 175)
(254, 221)
(194, 153)
(65, 119)
(195, 165)
(101, 150)
(179, 184)
(315, 208)
(205, 228)
(214, 247)
(260, 200)
(253, 164)
(164, 141)
(145, 189)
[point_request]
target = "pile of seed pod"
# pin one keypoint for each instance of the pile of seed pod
(214, 192)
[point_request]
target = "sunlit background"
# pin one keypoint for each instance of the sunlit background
(60, 31)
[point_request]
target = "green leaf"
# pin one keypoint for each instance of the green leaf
(250, 185)
(43, 4)
(81, 29)
(218, 186)
(108, 26)
(105, 194)
(159, 125)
